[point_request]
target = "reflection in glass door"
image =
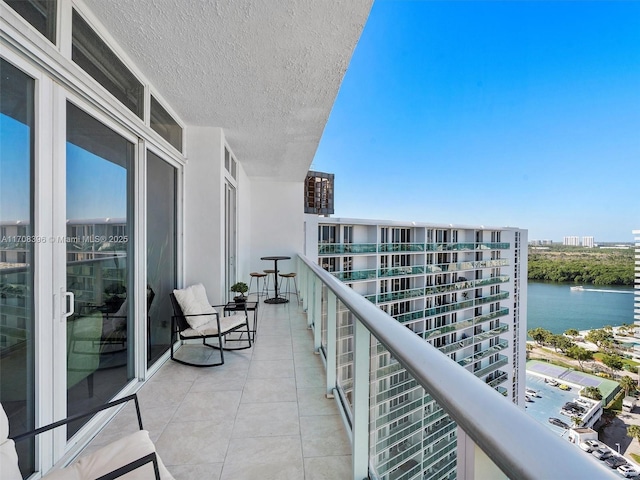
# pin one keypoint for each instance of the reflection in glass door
(100, 341)
(17, 384)
(161, 253)
(230, 235)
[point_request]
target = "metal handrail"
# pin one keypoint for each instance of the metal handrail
(520, 446)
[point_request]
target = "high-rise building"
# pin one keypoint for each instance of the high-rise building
(587, 242)
(636, 306)
(460, 290)
(573, 241)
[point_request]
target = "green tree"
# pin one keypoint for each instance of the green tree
(633, 431)
(572, 332)
(614, 362)
(628, 384)
(563, 343)
(539, 335)
(580, 354)
(577, 421)
(598, 336)
(592, 392)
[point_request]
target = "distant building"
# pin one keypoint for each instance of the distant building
(587, 242)
(541, 242)
(461, 290)
(636, 307)
(318, 193)
(573, 241)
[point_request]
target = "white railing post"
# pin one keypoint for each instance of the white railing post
(304, 287)
(317, 317)
(360, 411)
(332, 318)
(316, 304)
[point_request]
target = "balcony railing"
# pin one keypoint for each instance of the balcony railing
(358, 248)
(505, 437)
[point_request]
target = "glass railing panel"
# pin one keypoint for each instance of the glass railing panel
(502, 361)
(491, 280)
(394, 437)
(484, 318)
(344, 353)
(400, 247)
(452, 307)
(346, 248)
(354, 275)
(485, 353)
(491, 298)
(493, 246)
(393, 296)
(396, 390)
(498, 380)
(401, 271)
(407, 317)
(458, 345)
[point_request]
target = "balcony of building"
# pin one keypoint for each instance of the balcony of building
(263, 414)
(268, 411)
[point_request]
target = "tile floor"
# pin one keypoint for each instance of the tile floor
(263, 414)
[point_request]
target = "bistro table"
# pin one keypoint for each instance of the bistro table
(241, 307)
(275, 258)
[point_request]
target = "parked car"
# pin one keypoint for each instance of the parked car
(558, 423)
(628, 471)
(589, 445)
(601, 453)
(615, 461)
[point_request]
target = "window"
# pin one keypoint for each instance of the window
(101, 333)
(165, 125)
(161, 253)
(93, 55)
(229, 163)
(326, 234)
(41, 14)
(17, 349)
(347, 234)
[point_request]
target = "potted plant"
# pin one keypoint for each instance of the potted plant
(241, 288)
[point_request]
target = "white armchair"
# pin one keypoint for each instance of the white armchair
(132, 457)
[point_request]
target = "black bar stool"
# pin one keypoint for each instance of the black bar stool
(257, 276)
(287, 290)
(270, 275)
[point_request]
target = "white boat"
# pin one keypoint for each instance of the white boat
(577, 287)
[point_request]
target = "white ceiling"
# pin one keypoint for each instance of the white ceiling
(267, 71)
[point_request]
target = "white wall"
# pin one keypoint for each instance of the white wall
(244, 226)
(277, 224)
(203, 211)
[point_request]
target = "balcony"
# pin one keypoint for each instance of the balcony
(265, 413)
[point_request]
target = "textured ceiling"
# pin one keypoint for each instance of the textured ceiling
(267, 71)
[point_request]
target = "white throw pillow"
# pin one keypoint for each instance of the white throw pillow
(113, 456)
(8, 457)
(193, 301)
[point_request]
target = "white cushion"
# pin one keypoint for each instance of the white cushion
(113, 456)
(226, 324)
(193, 301)
(8, 457)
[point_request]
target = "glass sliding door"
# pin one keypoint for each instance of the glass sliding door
(17, 383)
(161, 253)
(230, 235)
(99, 199)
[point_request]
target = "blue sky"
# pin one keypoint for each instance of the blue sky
(514, 113)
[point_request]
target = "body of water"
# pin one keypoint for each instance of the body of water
(557, 308)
